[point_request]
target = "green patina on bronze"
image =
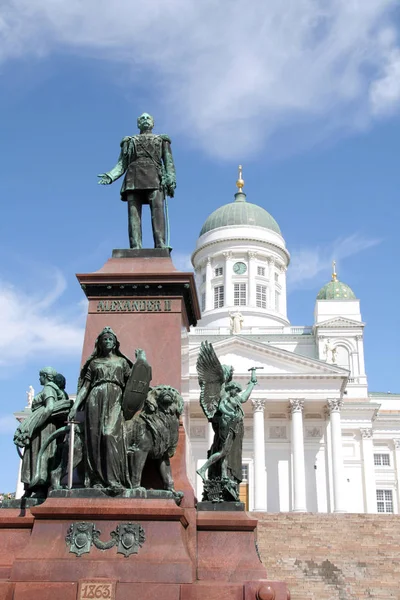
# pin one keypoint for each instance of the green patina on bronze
(146, 161)
(42, 451)
(126, 421)
(221, 400)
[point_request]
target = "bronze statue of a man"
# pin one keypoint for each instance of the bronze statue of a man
(146, 160)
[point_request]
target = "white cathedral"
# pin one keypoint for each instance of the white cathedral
(315, 438)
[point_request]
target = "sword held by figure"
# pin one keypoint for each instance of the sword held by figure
(253, 370)
(71, 424)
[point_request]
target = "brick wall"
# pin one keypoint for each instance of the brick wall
(332, 557)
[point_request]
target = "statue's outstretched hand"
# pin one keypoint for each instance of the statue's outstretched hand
(104, 179)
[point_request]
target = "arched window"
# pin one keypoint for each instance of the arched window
(342, 357)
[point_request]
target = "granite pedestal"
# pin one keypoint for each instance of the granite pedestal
(184, 553)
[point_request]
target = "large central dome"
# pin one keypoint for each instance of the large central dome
(240, 212)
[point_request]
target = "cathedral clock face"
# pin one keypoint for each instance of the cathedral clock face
(239, 268)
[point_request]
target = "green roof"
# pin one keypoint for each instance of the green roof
(336, 290)
(240, 212)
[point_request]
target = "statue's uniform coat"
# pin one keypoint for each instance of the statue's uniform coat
(146, 159)
(147, 162)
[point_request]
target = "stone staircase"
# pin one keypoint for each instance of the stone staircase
(332, 556)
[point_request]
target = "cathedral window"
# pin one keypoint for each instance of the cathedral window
(277, 300)
(239, 294)
(382, 460)
(261, 296)
(203, 302)
(261, 271)
(219, 296)
(384, 501)
(218, 271)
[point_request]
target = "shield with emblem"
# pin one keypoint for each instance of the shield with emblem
(137, 386)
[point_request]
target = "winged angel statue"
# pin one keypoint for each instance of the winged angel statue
(221, 400)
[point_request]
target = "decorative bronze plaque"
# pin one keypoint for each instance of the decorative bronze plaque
(128, 537)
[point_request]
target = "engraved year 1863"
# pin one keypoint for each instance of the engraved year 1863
(96, 589)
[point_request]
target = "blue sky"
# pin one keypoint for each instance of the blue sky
(305, 94)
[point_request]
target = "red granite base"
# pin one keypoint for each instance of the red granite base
(186, 555)
(15, 531)
(164, 557)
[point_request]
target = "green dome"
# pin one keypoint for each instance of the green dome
(336, 290)
(240, 212)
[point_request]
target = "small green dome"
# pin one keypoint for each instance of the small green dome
(240, 212)
(336, 290)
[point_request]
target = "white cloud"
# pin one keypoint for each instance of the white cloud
(31, 325)
(309, 263)
(385, 92)
(234, 76)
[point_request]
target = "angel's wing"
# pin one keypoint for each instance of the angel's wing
(211, 378)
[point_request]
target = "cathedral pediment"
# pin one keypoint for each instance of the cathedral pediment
(273, 362)
(340, 323)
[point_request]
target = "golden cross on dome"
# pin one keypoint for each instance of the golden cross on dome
(240, 181)
(334, 274)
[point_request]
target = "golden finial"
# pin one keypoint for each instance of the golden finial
(334, 274)
(240, 181)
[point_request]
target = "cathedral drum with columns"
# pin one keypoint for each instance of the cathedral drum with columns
(315, 439)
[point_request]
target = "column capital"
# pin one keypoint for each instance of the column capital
(333, 405)
(366, 434)
(270, 260)
(227, 254)
(208, 261)
(258, 404)
(251, 254)
(396, 443)
(296, 405)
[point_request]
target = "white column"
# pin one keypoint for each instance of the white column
(251, 282)
(209, 290)
(228, 288)
(271, 277)
(282, 270)
(210, 435)
(299, 473)
(361, 359)
(396, 453)
(334, 407)
(368, 471)
(19, 492)
(260, 480)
